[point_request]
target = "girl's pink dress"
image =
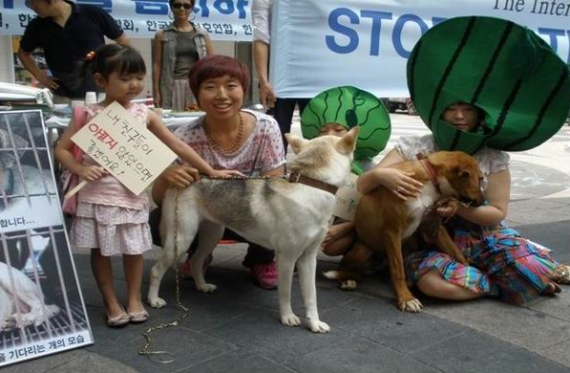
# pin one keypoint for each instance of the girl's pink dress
(109, 216)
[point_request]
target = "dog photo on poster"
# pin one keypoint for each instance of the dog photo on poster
(41, 306)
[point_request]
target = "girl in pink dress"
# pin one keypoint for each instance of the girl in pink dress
(110, 219)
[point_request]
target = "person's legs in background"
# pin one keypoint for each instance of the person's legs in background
(283, 114)
(259, 260)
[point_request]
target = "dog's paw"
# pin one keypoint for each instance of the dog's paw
(207, 288)
(413, 305)
(290, 320)
(348, 285)
(331, 275)
(156, 302)
(319, 327)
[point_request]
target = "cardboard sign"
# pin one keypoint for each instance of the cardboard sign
(347, 199)
(42, 309)
(116, 140)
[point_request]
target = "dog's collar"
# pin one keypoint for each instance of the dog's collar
(295, 177)
(429, 171)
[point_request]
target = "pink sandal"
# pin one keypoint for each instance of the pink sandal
(138, 317)
(118, 321)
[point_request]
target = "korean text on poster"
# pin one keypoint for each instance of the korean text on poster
(124, 147)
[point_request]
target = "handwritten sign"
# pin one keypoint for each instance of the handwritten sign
(347, 199)
(116, 140)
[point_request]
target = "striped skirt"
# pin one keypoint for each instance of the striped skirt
(502, 263)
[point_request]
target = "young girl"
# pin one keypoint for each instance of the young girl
(111, 220)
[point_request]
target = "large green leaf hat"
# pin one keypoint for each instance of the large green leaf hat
(506, 70)
(350, 107)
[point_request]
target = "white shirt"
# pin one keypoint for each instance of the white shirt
(261, 19)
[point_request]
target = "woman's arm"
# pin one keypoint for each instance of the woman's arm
(209, 46)
(174, 176)
(397, 181)
(156, 67)
(497, 196)
(183, 150)
(279, 171)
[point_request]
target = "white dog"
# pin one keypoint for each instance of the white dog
(288, 216)
(22, 295)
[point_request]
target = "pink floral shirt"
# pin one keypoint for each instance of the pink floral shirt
(261, 152)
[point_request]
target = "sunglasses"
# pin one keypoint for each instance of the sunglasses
(180, 6)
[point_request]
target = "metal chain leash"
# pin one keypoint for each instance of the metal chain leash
(146, 350)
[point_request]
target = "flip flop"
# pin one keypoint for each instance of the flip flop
(138, 317)
(118, 321)
(561, 274)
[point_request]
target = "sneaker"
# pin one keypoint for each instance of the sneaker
(265, 275)
(186, 271)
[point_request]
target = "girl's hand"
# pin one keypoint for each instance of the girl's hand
(92, 173)
(401, 184)
(447, 207)
(334, 233)
(225, 174)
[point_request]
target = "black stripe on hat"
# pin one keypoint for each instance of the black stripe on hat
(450, 66)
(339, 104)
(506, 33)
(505, 110)
(543, 110)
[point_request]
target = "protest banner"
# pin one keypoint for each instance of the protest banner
(125, 147)
(223, 19)
(41, 307)
(316, 45)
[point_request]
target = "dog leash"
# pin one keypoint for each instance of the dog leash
(146, 350)
(293, 177)
(428, 168)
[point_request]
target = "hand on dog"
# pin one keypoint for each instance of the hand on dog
(401, 184)
(181, 176)
(447, 207)
(226, 174)
(92, 173)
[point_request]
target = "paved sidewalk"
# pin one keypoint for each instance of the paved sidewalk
(237, 329)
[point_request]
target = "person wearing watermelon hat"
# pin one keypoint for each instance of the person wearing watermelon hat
(483, 93)
(334, 112)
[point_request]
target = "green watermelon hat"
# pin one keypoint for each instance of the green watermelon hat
(500, 67)
(350, 107)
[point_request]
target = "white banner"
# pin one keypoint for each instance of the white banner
(223, 19)
(319, 44)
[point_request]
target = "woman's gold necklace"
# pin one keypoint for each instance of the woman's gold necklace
(236, 144)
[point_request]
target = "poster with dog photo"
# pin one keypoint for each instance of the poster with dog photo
(41, 306)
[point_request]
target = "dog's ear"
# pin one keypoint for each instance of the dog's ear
(347, 143)
(297, 143)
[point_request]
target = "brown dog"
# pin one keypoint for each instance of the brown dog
(383, 221)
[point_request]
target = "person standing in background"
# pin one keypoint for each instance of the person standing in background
(175, 50)
(283, 108)
(66, 32)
